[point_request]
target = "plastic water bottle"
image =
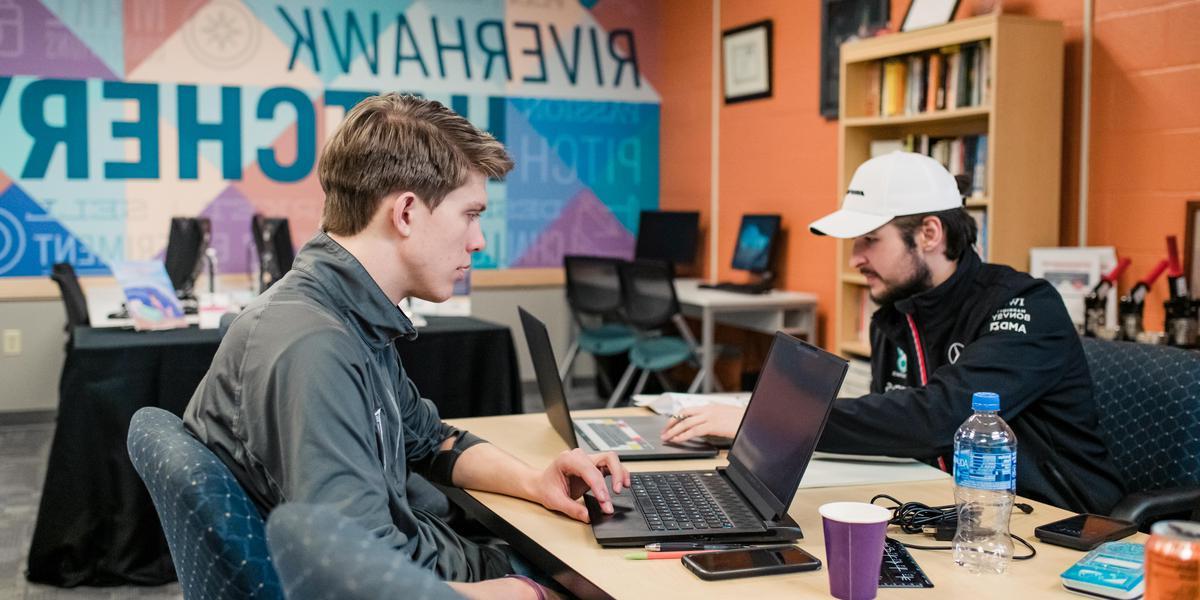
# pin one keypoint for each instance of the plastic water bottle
(985, 484)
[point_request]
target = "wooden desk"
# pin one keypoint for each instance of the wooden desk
(790, 312)
(566, 549)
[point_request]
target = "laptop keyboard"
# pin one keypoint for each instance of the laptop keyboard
(689, 501)
(614, 436)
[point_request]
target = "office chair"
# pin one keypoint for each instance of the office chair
(649, 303)
(1149, 402)
(594, 297)
(72, 295)
(216, 535)
(322, 555)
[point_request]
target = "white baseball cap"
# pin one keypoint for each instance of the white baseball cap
(890, 186)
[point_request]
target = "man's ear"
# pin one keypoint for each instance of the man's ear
(932, 234)
(402, 208)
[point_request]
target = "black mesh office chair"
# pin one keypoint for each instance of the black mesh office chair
(649, 304)
(1149, 403)
(72, 295)
(594, 297)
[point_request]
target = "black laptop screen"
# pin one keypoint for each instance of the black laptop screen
(546, 371)
(786, 415)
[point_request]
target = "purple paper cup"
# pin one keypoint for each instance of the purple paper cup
(854, 533)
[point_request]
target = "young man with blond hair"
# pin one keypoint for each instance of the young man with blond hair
(306, 400)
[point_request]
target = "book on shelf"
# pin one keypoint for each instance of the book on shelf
(962, 155)
(981, 236)
(872, 100)
(895, 74)
(952, 77)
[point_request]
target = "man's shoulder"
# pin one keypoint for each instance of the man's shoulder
(287, 323)
(1011, 295)
(998, 284)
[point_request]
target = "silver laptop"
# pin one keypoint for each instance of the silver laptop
(632, 438)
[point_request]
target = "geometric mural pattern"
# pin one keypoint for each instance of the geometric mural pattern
(119, 114)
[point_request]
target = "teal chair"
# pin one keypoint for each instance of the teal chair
(594, 297)
(649, 304)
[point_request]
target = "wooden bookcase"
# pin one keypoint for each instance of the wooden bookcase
(1022, 119)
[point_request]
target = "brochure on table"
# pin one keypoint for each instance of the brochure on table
(149, 295)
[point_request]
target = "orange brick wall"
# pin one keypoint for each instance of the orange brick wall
(779, 155)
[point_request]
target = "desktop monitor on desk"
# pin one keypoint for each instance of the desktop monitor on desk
(273, 242)
(755, 252)
(668, 235)
(186, 243)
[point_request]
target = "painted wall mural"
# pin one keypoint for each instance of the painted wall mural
(116, 115)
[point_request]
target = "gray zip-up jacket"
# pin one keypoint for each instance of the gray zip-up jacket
(306, 401)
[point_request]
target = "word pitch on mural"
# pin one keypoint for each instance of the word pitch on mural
(119, 114)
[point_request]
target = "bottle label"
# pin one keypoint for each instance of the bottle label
(985, 470)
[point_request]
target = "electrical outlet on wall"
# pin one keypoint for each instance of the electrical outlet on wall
(12, 342)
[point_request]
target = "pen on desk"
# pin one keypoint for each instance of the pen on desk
(675, 546)
(662, 555)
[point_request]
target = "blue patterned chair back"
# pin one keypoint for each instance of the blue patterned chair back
(322, 555)
(216, 534)
(1149, 402)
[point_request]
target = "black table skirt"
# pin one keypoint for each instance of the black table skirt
(466, 366)
(96, 524)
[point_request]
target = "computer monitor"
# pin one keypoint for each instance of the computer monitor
(668, 235)
(186, 243)
(273, 241)
(756, 243)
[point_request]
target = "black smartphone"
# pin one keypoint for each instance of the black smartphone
(748, 562)
(1084, 532)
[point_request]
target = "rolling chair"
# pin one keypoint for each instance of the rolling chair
(216, 535)
(649, 303)
(72, 295)
(322, 555)
(1148, 398)
(594, 297)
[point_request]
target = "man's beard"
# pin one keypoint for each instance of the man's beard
(920, 281)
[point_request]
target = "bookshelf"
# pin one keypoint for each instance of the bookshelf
(1011, 123)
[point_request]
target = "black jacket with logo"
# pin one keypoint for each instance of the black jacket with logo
(988, 328)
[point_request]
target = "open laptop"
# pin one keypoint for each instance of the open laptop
(632, 438)
(746, 501)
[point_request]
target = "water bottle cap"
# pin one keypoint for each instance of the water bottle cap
(985, 401)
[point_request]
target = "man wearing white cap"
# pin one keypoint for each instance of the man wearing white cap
(950, 325)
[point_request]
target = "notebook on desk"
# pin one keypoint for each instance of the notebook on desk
(632, 438)
(748, 500)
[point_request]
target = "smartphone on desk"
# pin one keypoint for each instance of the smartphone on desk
(749, 562)
(1085, 531)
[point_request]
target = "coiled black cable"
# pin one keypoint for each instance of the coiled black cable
(914, 517)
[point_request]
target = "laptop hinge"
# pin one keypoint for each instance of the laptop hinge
(758, 499)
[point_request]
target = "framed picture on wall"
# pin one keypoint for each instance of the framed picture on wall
(746, 62)
(1191, 246)
(842, 21)
(928, 13)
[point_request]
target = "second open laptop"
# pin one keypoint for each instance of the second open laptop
(748, 500)
(632, 438)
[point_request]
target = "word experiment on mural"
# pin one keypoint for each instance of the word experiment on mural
(120, 114)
